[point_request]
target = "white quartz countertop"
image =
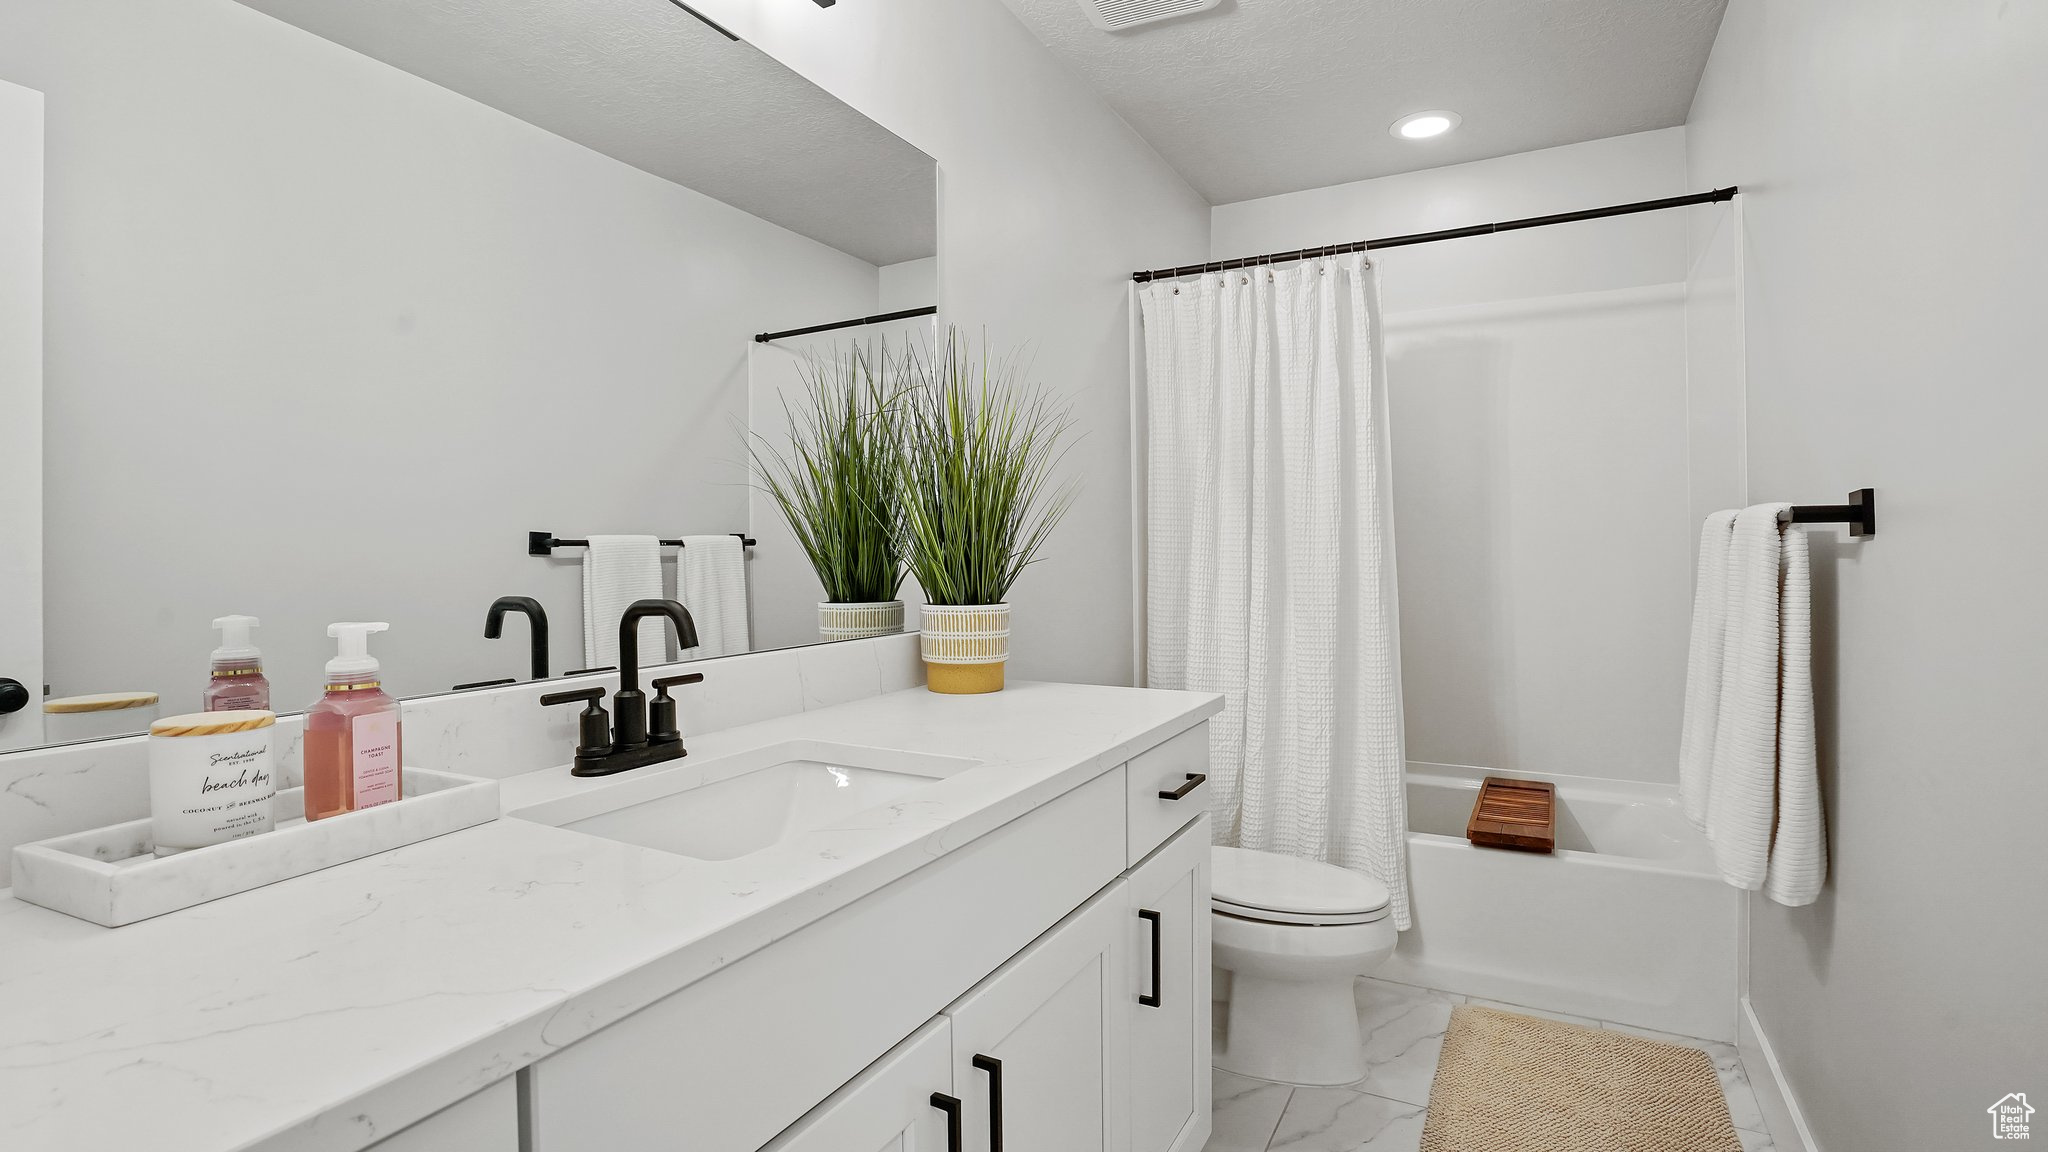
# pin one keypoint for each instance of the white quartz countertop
(329, 1011)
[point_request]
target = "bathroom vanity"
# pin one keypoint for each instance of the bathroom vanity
(908, 921)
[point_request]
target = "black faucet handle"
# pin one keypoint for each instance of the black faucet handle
(594, 724)
(662, 725)
(593, 693)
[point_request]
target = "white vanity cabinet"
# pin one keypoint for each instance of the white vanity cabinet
(1037, 976)
(486, 1121)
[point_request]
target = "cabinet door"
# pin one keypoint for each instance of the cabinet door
(1167, 995)
(1038, 1048)
(902, 1103)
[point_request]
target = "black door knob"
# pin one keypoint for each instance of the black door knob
(13, 696)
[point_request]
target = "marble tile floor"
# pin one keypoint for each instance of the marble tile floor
(1404, 1031)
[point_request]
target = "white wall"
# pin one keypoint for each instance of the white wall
(1539, 414)
(498, 330)
(1892, 161)
(21, 406)
(910, 284)
(1047, 203)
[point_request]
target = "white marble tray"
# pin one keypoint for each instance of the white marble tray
(112, 876)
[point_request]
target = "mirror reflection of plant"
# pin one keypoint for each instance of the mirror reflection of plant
(979, 450)
(838, 484)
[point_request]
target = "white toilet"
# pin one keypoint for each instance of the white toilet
(1294, 935)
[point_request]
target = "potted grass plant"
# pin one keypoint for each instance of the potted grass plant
(979, 450)
(838, 484)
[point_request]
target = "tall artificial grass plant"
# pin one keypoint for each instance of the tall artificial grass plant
(976, 473)
(839, 482)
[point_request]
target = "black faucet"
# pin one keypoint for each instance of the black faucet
(537, 619)
(631, 702)
(601, 749)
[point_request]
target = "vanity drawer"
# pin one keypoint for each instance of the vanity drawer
(1169, 768)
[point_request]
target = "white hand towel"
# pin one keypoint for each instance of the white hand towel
(1742, 798)
(1703, 665)
(618, 570)
(713, 584)
(1799, 846)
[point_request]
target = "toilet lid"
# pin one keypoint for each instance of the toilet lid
(1272, 887)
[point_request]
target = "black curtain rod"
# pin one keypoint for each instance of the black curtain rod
(1715, 196)
(884, 318)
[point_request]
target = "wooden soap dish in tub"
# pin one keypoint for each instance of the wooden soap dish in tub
(1517, 814)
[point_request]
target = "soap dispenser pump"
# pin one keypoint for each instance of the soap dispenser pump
(238, 681)
(353, 744)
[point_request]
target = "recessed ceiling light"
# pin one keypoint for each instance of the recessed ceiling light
(1423, 125)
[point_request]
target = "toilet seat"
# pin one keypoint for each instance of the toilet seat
(1268, 888)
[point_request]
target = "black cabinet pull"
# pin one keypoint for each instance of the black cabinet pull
(950, 1105)
(1151, 999)
(1195, 780)
(994, 1068)
(13, 695)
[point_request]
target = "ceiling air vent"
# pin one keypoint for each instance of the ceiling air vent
(1116, 15)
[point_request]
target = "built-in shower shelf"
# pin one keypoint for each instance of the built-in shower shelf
(1517, 814)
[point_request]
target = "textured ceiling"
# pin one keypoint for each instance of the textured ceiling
(1260, 97)
(644, 82)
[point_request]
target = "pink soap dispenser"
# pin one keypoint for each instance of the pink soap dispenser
(352, 745)
(238, 681)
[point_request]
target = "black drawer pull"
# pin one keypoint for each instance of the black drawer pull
(950, 1105)
(1195, 780)
(994, 1068)
(1151, 999)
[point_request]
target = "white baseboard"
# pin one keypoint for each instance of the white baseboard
(1773, 1095)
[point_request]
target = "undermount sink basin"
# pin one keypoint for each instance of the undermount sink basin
(740, 804)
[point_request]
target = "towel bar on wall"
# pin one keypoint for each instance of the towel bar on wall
(545, 543)
(1860, 513)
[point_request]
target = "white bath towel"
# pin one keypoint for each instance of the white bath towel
(1761, 792)
(1703, 665)
(712, 581)
(618, 570)
(1799, 845)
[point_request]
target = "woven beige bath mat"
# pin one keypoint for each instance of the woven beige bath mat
(1510, 1083)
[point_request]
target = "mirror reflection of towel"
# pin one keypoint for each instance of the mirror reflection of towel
(618, 570)
(712, 580)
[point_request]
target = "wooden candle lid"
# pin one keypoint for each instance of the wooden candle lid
(213, 723)
(98, 702)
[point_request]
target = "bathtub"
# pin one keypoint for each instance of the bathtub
(1627, 921)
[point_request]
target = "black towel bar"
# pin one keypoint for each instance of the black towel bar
(545, 543)
(1860, 513)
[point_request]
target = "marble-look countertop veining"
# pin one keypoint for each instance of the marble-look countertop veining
(329, 1011)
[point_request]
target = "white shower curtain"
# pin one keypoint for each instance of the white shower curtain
(1270, 554)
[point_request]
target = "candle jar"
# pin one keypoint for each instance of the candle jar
(212, 777)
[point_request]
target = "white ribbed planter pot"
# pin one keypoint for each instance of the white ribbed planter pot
(965, 647)
(855, 621)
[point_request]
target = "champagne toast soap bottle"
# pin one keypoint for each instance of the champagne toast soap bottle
(352, 744)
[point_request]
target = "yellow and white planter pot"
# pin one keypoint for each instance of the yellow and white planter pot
(965, 646)
(856, 621)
